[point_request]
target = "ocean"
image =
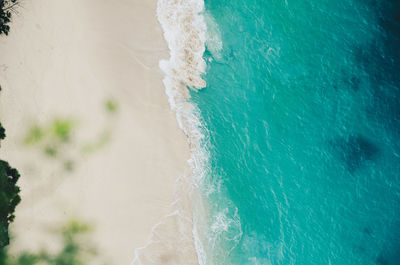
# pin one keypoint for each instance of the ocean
(300, 123)
(292, 112)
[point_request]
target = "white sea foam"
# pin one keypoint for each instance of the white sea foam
(213, 35)
(185, 32)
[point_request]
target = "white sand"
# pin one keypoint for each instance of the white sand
(64, 58)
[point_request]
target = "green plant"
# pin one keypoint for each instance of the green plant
(97, 144)
(9, 199)
(111, 105)
(9, 191)
(62, 129)
(35, 135)
(6, 9)
(76, 249)
(51, 137)
(9, 195)
(2, 132)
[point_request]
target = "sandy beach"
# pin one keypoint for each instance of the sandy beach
(65, 59)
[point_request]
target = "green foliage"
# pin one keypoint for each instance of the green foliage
(111, 105)
(62, 128)
(9, 195)
(34, 135)
(2, 132)
(56, 140)
(9, 199)
(9, 191)
(53, 140)
(6, 8)
(76, 249)
(59, 131)
(99, 143)
(52, 136)
(50, 151)
(69, 165)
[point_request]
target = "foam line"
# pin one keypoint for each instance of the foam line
(185, 33)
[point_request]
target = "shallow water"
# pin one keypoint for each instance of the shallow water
(302, 114)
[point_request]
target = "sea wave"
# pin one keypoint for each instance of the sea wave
(185, 32)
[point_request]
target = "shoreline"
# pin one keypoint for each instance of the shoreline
(185, 30)
(53, 63)
(175, 240)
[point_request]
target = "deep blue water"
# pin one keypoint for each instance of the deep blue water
(303, 117)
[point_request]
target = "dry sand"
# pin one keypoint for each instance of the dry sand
(63, 59)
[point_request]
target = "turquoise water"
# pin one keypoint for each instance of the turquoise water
(302, 112)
